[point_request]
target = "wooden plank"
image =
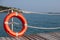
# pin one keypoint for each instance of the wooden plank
(3, 38)
(39, 36)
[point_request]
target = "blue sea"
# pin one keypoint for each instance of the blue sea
(38, 20)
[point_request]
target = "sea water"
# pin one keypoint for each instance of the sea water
(38, 20)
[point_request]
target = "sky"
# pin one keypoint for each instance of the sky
(34, 5)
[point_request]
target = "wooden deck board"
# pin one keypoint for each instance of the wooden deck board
(38, 36)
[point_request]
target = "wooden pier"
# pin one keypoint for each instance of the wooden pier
(38, 36)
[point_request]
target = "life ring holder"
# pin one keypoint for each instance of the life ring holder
(20, 17)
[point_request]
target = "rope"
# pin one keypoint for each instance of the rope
(27, 12)
(34, 26)
(43, 27)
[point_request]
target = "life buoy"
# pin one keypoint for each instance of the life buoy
(20, 17)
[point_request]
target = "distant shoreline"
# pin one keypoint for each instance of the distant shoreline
(4, 9)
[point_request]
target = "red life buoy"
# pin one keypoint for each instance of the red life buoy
(20, 17)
